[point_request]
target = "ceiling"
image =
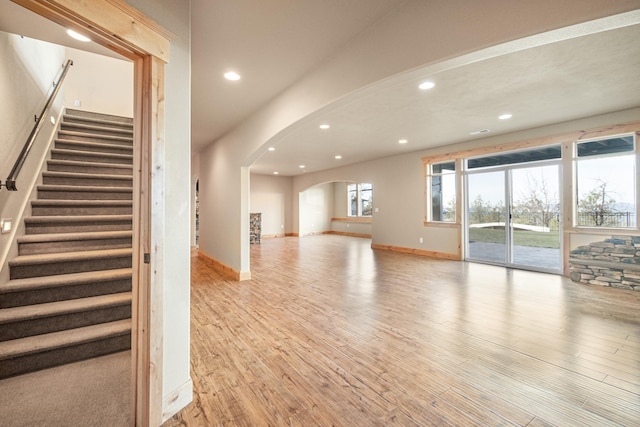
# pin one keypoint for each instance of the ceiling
(272, 44)
(562, 81)
(275, 44)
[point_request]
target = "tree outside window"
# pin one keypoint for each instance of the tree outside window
(360, 199)
(606, 177)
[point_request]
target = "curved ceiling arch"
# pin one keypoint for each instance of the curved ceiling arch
(570, 61)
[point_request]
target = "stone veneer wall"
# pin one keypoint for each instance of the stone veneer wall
(613, 262)
(255, 228)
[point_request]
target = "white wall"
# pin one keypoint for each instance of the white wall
(428, 34)
(315, 206)
(28, 68)
(271, 196)
(175, 179)
(101, 84)
(340, 201)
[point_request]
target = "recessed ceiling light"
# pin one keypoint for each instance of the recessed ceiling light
(301, 166)
(427, 85)
(338, 157)
(478, 132)
(324, 126)
(78, 36)
(276, 173)
(272, 149)
(232, 75)
(505, 116)
(402, 141)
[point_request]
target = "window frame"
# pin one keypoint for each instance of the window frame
(575, 159)
(430, 174)
(358, 192)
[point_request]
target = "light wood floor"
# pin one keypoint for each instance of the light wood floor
(330, 332)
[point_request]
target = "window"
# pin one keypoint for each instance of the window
(360, 199)
(606, 182)
(441, 182)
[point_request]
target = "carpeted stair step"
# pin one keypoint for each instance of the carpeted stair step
(93, 146)
(73, 192)
(38, 290)
(93, 167)
(77, 223)
(105, 121)
(86, 179)
(58, 348)
(90, 156)
(81, 207)
(69, 293)
(38, 319)
(117, 139)
(25, 266)
(73, 114)
(95, 129)
(33, 244)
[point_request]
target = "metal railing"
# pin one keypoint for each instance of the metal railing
(10, 183)
(551, 220)
(609, 219)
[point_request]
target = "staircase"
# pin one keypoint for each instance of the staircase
(69, 293)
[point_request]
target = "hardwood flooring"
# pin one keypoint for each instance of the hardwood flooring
(331, 332)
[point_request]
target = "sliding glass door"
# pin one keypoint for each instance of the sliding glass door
(535, 217)
(486, 217)
(513, 212)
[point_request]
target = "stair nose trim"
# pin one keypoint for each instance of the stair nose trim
(71, 279)
(67, 117)
(93, 165)
(53, 340)
(83, 203)
(58, 308)
(65, 237)
(79, 188)
(104, 145)
(70, 125)
(76, 218)
(92, 153)
(87, 175)
(25, 260)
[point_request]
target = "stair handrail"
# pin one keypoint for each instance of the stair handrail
(10, 183)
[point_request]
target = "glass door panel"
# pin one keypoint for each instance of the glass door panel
(535, 217)
(486, 217)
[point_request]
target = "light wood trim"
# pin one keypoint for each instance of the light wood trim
(567, 186)
(536, 142)
(430, 254)
(441, 224)
(346, 233)
(141, 18)
(121, 28)
(147, 301)
(223, 268)
(141, 239)
(272, 236)
(111, 23)
(359, 219)
(604, 231)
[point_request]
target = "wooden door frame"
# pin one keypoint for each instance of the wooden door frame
(123, 29)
